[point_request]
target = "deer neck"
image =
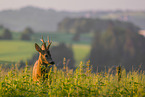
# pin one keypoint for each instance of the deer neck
(41, 63)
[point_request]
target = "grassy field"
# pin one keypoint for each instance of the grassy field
(15, 50)
(81, 52)
(12, 51)
(63, 83)
(66, 83)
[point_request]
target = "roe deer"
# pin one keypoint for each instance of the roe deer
(41, 67)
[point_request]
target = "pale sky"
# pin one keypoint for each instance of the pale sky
(75, 5)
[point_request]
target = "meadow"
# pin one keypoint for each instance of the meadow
(67, 83)
(63, 83)
(12, 51)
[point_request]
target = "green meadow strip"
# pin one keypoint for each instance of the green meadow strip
(68, 83)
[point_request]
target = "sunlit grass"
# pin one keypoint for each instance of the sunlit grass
(66, 83)
(81, 52)
(16, 50)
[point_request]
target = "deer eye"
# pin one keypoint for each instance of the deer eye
(46, 56)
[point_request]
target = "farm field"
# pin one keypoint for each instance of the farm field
(81, 52)
(14, 51)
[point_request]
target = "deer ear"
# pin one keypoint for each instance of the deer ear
(37, 47)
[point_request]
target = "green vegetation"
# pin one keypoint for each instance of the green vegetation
(80, 83)
(15, 50)
(5, 34)
(61, 51)
(81, 52)
(118, 46)
(114, 42)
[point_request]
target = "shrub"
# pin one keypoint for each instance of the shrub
(60, 52)
(7, 34)
(80, 83)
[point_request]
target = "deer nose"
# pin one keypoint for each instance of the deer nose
(52, 62)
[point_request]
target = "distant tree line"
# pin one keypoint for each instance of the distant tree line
(5, 33)
(87, 25)
(26, 34)
(115, 42)
(118, 46)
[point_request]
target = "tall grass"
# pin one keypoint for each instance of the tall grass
(66, 83)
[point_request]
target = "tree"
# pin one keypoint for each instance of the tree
(28, 31)
(1, 27)
(117, 46)
(60, 52)
(7, 34)
(76, 37)
(26, 34)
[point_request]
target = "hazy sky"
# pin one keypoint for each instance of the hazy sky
(75, 5)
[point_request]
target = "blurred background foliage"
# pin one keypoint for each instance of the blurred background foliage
(105, 42)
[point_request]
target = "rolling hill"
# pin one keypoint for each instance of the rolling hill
(42, 20)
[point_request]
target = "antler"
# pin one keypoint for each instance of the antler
(42, 40)
(49, 42)
(44, 44)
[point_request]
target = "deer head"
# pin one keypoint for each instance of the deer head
(44, 53)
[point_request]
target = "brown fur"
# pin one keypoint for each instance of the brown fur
(41, 67)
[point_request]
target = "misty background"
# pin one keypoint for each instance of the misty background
(106, 32)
